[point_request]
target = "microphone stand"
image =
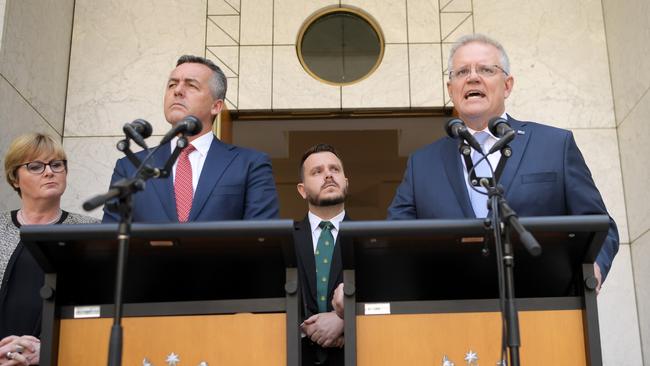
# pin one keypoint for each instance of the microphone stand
(502, 213)
(123, 191)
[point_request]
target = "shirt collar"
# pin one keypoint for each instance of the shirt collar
(314, 220)
(201, 144)
(473, 131)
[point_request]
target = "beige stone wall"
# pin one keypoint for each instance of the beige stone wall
(2, 19)
(33, 73)
(84, 83)
(628, 30)
(266, 73)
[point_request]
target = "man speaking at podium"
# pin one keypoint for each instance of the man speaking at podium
(545, 176)
(210, 180)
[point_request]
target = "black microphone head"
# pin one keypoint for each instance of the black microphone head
(193, 125)
(142, 127)
(449, 127)
(496, 126)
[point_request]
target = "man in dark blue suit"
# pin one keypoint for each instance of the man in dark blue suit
(219, 181)
(546, 174)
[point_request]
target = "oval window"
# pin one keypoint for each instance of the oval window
(340, 46)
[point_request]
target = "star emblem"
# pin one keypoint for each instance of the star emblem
(446, 362)
(471, 357)
(172, 359)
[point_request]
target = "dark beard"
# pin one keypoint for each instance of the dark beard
(326, 202)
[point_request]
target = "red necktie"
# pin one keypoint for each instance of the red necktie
(183, 184)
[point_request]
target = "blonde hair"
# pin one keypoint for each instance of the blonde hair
(27, 147)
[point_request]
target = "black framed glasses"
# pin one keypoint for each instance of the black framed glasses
(482, 70)
(38, 167)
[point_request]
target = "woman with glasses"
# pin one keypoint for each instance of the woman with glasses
(36, 168)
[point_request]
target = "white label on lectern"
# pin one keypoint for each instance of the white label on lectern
(379, 308)
(86, 312)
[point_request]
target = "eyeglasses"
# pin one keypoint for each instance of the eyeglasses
(38, 167)
(481, 70)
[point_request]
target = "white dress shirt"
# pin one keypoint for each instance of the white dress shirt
(492, 158)
(314, 221)
(197, 157)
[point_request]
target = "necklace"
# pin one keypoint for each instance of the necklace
(23, 221)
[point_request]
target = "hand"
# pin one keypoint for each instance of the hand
(599, 277)
(325, 329)
(337, 300)
(22, 351)
(340, 341)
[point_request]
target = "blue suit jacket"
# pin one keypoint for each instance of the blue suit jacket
(545, 176)
(235, 184)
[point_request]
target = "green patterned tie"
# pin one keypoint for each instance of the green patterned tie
(323, 257)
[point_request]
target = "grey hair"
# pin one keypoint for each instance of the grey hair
(480, 38)
(219, 82)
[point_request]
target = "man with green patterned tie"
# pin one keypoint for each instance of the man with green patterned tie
(324, 186)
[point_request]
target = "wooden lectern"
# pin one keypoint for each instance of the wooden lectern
(223, 293)
(418, 291)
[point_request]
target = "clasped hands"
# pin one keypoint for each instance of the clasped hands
(15, 350)
(324, 329)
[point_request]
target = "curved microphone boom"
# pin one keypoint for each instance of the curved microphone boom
(188, 126)
(500, 128)
(137, 131)
(456, 129)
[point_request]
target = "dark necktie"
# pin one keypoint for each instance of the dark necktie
(323, 257)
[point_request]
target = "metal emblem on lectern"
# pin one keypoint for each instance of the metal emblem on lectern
(446, 361)
(172, 360)
(471, 358)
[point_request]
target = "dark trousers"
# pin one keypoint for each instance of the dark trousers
(313, 354)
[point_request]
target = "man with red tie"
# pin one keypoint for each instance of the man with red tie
(211, 180)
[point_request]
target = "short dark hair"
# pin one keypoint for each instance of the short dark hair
(219, 83)
(317, 149)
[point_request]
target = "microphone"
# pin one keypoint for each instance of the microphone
(456, 129)
(137, 131)
(188, 126)
(501, 129)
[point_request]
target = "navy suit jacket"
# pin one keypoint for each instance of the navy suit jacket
(235, 183)
(545, 176)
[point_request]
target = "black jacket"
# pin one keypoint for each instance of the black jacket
(20, 302)
(312, 353)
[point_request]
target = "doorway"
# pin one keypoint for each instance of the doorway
(374, 152)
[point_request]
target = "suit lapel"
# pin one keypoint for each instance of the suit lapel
(219, 157)
(164, 187)
(305, 251)
(518, 146)
(337, 264)
(454, 168)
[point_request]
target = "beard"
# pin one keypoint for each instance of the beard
(326, 202)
